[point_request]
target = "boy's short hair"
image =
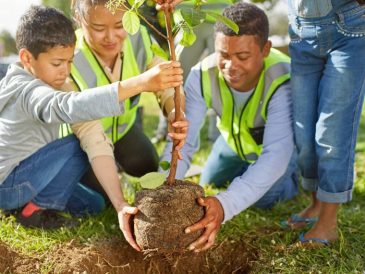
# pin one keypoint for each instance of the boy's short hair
(251, 20)
(41, 28)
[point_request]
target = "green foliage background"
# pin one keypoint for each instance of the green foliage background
(8, 42)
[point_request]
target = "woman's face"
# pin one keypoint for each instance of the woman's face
(103, 31)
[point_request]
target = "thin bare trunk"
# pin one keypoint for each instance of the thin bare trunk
(178, 114)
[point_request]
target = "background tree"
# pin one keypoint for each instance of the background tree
(63, 5)
(8, 43)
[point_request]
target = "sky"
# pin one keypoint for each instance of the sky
(11, 11)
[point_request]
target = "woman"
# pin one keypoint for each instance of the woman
(106, 54)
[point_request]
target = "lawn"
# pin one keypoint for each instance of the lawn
(267, 247)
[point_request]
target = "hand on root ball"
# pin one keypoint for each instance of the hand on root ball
(125, 218)
(211, 224)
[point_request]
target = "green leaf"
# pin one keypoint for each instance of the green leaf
(188, 37)
(228, 22)
(152, 180)
(137, 3)
(130, 2)
(165, 165)
(193, 17)
(157, 50)
(131, 22)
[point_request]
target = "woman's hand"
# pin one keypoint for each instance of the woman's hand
(125, 218)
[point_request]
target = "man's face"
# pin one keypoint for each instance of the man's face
(53, 66)
(240, 59)
(104, 32)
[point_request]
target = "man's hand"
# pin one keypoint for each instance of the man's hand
(211, 222)
(182, 126)
(167, 4)
(125, 218)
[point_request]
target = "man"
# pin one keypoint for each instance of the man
(247, 84)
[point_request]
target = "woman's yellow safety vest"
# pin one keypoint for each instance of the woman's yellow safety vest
(244, 132)
(87, 73)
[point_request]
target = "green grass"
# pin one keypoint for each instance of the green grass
(260, 228)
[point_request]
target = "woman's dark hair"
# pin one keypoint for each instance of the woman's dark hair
(41, 28)
(250, 19)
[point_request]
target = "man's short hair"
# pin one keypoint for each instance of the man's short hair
(41, 28)
(250, 19)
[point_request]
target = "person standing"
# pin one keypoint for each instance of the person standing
(328, 73)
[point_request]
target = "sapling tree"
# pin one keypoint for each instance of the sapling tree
(188, 18)
(164, 211)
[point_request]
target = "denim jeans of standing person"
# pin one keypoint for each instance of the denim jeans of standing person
(327, 76)
(223, 165)
(49, 178)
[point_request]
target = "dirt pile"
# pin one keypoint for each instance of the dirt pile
(116, 256)
(12, 262)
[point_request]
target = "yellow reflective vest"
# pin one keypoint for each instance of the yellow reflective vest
(244, 132)
(87, 73)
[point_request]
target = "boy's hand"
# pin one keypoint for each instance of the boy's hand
(211, 223)
(182, 125)
(162, 76)
(167, 4)
(125, 218)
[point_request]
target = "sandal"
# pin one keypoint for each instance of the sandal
(295, 218)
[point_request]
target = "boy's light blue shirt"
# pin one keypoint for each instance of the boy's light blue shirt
(31, 113)
(278, 146)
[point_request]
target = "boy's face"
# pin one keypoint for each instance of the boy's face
(52, 67)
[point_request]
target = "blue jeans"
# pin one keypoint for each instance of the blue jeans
(327, 77)
(223, 165)
(49, 178)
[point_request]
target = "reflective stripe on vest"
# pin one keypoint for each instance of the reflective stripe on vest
(87, 73)
(244, 132)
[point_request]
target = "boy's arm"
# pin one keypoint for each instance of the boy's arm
(158, 77)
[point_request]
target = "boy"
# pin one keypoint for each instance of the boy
(38, 171)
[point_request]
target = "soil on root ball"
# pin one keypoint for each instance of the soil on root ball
(163, 215)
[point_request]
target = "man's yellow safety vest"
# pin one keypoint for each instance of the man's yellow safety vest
(87, 72)
(244, 132)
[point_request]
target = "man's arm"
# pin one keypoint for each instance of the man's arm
(245, 190)
(195, 115)
(278, 147)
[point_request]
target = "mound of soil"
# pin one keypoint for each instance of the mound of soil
(116, 256)
(163, 215)
(12, 262)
